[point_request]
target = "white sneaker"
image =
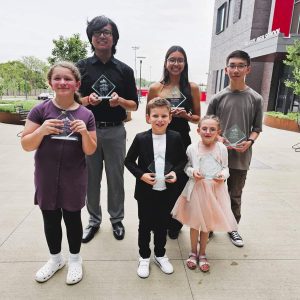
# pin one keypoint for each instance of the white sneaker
(164, 264)
(48, 270)
(236, 239)
(143, 268)
(75, 271)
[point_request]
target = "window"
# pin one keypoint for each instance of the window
(221, 16)
(237, 11)
(241, 8)
(226, 81)
(216, 81)
(228, 13)
(295, 26)
(221, 80)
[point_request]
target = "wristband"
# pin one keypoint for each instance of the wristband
(251, 140)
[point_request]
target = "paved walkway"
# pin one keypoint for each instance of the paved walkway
(268, 267)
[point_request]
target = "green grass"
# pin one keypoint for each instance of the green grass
(10, 105)
(294, 116)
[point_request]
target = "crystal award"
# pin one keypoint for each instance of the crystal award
(66, 134)
(209, 167)
(160, 167)
(176, 98)
(103, 87)
(234, 135)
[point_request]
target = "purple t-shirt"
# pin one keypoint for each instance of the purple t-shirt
(60, 175)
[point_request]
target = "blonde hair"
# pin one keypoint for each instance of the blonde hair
(157, 102)
(68, 65)
(210, 117)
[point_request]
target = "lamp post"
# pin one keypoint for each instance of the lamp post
(141, 61)
(134, 48)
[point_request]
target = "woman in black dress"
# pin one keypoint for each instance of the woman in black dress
(175, 85)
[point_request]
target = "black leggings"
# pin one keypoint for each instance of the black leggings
(53, 230)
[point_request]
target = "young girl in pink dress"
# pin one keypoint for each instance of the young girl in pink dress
(204, 204)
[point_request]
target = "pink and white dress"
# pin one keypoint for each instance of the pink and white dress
(205, 204)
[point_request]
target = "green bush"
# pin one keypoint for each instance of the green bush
(10, 106)
(294, 116)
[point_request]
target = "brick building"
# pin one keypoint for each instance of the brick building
(263, 28)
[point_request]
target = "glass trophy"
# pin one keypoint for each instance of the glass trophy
(209, 167)
(160, 167)
(176, 98)
(67, 133)
(234, 135)
(103, 87)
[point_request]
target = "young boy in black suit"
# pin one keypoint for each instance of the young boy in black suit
(161, 156)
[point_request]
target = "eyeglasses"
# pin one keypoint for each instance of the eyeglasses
(239, 67)
(209, 129)
(173, 60)
(98, 33)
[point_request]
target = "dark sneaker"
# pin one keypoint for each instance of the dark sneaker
(236, 239)
(173, 234)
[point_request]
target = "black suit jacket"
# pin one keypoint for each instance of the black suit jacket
(142, 151)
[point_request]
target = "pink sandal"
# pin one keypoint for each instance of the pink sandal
(191, 262)
(203, 263)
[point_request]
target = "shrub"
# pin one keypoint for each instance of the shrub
(294, 116)
(10, 106)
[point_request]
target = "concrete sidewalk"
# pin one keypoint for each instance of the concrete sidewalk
(267, 267)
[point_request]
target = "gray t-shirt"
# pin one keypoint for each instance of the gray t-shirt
(242, 108)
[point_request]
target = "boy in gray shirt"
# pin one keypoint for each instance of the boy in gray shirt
(240, 106)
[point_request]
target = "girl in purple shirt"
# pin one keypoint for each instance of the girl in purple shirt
(60, 175)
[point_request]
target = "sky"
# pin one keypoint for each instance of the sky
(27, 28)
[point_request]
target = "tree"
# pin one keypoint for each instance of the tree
(12, 74)
(34, 74)
(1, 87)
(21, 77)
(293, 60)
(72, 49)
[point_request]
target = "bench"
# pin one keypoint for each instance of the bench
(22, 112)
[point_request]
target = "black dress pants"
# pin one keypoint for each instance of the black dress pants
(153, 212)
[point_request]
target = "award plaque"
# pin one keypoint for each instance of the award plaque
(209, 167)
(159, 167)
(67, 133)
(234, 135)
(176, 98)
(103, 87)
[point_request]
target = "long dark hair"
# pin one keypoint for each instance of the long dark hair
(184, 84)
